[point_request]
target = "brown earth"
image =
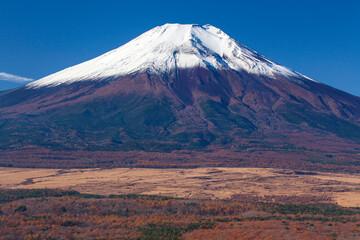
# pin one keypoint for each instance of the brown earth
(200, 183)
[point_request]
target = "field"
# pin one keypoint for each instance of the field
(255, 184)
(173, 203)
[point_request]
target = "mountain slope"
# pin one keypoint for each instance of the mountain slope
(180, 87)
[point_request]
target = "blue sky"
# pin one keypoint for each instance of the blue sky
(320, 39)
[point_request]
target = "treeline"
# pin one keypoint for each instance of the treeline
(8, 195)
(296, 159)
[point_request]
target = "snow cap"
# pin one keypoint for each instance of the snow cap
(166, 48)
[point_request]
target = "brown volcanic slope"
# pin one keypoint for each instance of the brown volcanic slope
(197, 116)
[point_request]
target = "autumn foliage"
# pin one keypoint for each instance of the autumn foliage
(58, 214)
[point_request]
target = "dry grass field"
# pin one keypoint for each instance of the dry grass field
(197, 183)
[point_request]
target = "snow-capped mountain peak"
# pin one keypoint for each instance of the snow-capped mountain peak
(166, 48)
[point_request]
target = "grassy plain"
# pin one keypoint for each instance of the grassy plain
(260, 184)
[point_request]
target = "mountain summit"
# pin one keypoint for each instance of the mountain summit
(166, 48)
(180, 88)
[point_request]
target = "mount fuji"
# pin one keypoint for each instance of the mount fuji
(182, 91)
(164, 49)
